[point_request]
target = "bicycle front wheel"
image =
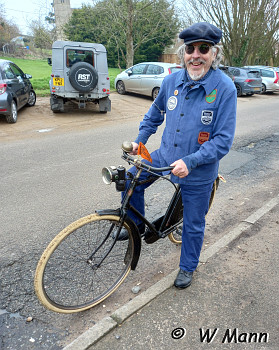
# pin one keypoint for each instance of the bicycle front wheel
(74, 273)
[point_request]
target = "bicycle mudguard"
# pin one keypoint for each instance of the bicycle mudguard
(134, 231)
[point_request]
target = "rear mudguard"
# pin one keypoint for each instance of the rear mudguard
(134, 231)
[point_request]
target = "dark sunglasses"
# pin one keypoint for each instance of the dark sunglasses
(203, 48)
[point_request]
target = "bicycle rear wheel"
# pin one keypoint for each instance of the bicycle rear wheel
(176, 235)
(67, 281)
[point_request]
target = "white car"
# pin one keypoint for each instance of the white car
(144, 78)
(270, 78)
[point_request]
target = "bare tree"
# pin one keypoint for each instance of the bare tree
(250, 27)
(126, 18)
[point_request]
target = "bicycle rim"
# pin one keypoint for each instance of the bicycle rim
(176, 236)
(66, 282)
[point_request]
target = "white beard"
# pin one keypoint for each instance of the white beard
(196, 77)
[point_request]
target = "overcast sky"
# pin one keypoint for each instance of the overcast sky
(23, 12)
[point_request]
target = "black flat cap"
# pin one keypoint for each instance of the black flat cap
(202, 31)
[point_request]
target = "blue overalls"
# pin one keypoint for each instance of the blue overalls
(200, 127)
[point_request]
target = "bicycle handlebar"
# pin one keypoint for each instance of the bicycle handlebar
(137, 162)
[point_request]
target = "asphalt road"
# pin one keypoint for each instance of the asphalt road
(50, 170)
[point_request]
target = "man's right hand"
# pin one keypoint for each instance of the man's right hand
(135, 148)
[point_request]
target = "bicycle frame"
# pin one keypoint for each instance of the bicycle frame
(167, 221)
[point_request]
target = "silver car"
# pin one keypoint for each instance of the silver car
(144, 78)
(270, 78)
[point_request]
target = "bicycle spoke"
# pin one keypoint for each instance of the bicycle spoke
(71, 280)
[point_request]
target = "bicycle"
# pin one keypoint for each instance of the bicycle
(85, 263)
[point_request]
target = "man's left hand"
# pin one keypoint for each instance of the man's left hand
(180, 169)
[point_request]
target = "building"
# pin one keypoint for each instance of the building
(62, 13)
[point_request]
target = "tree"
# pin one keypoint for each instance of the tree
(250, 27)
(41, 35)
(8, 30)
(128, 28)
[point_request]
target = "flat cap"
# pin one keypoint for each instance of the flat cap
(202, 31)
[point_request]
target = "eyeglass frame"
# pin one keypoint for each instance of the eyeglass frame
(198, 46)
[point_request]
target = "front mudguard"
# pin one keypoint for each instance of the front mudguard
(134, 231)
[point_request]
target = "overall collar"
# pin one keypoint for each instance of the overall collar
(208, 82)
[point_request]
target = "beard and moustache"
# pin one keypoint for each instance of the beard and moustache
(194, 76)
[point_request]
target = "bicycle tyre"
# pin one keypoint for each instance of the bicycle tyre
(176, 237)
(66, 282)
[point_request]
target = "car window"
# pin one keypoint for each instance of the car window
(139, 69)
(235, 72)
(154, 69)
(18, 72)
(174, 69)
(267, 73)
(9, 73)
(254, 74)
(74, 56)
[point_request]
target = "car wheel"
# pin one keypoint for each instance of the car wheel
(120, 87)
(263, 89)
(238, 90)
(32, 99)
(155, 93)
(12, 117)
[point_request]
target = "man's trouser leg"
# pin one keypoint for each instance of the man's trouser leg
(196, 202)
(137, 199)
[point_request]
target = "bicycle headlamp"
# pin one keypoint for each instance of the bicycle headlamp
(112, 174)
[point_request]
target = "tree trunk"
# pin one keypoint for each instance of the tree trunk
(129, 38)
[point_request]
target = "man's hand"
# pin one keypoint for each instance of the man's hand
(180, 169)
(135, 148)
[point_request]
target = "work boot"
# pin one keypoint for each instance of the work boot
(183, 279)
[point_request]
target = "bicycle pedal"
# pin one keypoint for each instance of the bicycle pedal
(150, 237)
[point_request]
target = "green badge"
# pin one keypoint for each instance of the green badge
(211, 97)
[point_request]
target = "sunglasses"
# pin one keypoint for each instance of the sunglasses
(203, 48)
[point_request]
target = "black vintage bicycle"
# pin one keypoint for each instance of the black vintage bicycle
(86, 262)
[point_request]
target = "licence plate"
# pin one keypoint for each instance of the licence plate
(257, 89)
(58, 81)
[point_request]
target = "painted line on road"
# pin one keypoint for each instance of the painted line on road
(98, 331)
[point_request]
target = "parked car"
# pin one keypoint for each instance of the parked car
(247, 81)
(79, 75)
(144, 78)
(16, 90)
(270, 78)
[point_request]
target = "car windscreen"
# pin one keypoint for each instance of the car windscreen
(267, 73)
(254, 74)
(74, 56)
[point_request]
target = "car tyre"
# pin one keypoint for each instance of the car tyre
(263, 89)
(120, 87)
(32, 99)
(76, 74)
(238, 90)
(155, 92)
(12, 117)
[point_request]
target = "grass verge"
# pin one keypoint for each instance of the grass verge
(41, 71)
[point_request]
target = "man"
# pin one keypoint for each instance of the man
(199, 103)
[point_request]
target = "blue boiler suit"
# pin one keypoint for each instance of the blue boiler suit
(200, 119)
